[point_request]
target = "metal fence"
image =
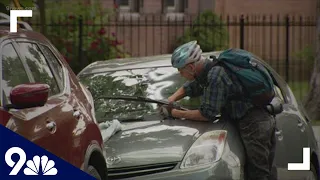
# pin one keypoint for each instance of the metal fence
(287, 43)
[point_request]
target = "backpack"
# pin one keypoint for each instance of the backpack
(254, 78)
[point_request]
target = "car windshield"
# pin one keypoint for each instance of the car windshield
(154, 83)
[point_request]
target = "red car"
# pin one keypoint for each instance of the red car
(42, 100)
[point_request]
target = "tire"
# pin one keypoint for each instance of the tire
(93, 172)
(314, 172)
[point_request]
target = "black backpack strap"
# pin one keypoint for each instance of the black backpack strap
(235, 97)
(238, 96)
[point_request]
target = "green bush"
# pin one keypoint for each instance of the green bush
(210, 32)
(307, 54)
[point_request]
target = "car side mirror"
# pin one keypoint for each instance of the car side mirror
(28, 95)
(275, 107)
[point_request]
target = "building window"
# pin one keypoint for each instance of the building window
(174, 6)
(169, 3)
(131, 6)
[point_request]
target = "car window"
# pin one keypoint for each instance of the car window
(13, 71)
(54, 63)
(38, 66)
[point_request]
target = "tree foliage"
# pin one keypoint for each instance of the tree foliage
(209, 30)
(65, 32)
(6, 5)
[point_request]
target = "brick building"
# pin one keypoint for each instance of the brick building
(282, 7)
(231, 7)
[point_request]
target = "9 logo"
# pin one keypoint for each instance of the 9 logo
(33, 166)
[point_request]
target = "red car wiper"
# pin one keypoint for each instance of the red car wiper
(137, 98)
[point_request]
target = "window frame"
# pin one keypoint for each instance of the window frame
(124, 8)
(66, 73)
(2, 44)
(31, 41)
(131, 7)
(61, 87)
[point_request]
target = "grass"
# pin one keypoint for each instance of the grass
(300, 89)
(315, 123)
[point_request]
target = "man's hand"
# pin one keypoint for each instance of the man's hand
(174, 110)
(166, 110)
(188, 114)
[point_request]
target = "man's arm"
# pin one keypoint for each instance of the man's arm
(191, 114)
(190, 88)
(213, 99)
(179, 94)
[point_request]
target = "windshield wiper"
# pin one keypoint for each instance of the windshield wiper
(131, 119)
(137, 98)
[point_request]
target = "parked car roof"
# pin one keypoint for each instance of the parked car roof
(23, 33)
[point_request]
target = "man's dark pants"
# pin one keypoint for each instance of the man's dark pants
(257, 130)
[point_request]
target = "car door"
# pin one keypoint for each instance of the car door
(73, 121)
(46, 126)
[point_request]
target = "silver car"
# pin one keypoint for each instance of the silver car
(150, 147)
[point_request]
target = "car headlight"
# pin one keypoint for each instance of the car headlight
(207, 149)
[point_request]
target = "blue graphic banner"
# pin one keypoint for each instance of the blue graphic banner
(25, 160)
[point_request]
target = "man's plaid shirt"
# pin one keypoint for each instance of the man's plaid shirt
(220, 86)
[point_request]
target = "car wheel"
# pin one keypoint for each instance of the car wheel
(314, 172)
(93, 172)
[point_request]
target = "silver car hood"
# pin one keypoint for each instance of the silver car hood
(153, 142)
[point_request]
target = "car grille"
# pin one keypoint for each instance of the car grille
(130, 172)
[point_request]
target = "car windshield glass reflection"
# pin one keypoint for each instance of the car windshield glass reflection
(125, 110)
(153, 83)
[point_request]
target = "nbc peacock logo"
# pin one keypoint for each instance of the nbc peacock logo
(47, 166)
(36, 166)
